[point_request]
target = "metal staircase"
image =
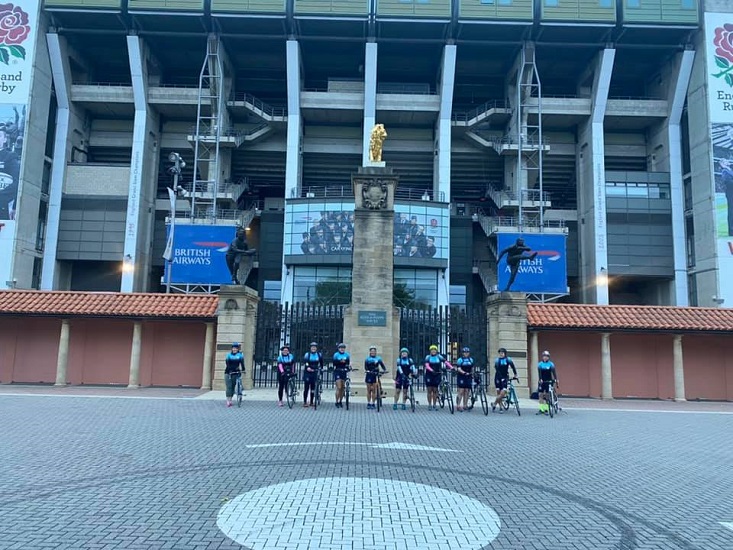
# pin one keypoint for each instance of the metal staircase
(207, 135)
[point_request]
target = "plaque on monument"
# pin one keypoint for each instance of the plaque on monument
(372, 319)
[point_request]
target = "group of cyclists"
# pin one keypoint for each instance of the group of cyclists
(434, 366)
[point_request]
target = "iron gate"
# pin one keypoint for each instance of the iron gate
(450, 329)
(296, 325)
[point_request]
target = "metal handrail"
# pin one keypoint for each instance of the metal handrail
(259, 104)
(473, 113)
(344, 191)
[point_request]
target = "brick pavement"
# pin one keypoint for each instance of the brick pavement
(156, 473)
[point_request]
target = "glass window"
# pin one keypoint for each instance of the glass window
(487, 1)
(416, 288)
(323, 285)
(637, 190)
(633, 3)
(457, 295)
(552, 3)
(606, 3)
(505, 2)
(688, 4)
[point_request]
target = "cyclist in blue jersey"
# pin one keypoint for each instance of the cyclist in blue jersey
(372, 364)
(234, 369)
(433, 375)
(548, 374)
(285, 369)
(501, 377)
(405, 369)
(313, 363)
(464, 368)
(341, 366)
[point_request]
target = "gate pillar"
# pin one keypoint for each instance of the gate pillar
(507, 317)
(235, 322)
(372, 319)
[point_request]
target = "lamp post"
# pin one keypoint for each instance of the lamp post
(178, 165)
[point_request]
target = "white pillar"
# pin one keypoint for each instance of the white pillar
(137, 340)
(139, 222)
(62, 360)
(592, 187)
(208, 357)
(606, 375)
(293, 154)
(534, 359)
(442, 163)
(370, 98)
(679, 369)
(62, 82)
(677, 193)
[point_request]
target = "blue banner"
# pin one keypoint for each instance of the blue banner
(199, 254)
(532, 263)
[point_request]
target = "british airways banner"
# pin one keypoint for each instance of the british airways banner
(532, 263)
(199, 254)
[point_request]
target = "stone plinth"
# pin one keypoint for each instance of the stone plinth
(372, 319)
(507, 317)
(235, 322)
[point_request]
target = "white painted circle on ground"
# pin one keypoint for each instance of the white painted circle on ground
(357, 513)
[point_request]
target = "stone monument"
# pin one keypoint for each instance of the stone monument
(371, 319)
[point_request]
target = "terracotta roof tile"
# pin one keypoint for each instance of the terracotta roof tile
(664, 318)
(107, 304)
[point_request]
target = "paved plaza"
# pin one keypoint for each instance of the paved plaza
(175, 470)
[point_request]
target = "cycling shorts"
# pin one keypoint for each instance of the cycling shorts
(432, 379)
(544, 386)
(371, 378)
(402, 382)
(339, 374)
(501, 383)
(464, 381)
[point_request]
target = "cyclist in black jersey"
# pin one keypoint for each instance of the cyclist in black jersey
(405, 369)
(464, 367)
(313, 363)
(234, 369)
(501, 377)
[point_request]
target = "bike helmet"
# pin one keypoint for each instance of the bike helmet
(286, 346)
(372, 348)
(404, 350)
(236, 345)
(433, 347)
(545, 353)
(502, 350)
(313, 344)
(341, 345)
(466, 350)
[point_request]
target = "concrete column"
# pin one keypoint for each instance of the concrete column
(507, 317)
(370, 98)
(679, 368)
(137, 340)
(606, 375)
(534, 359)
(592, 188)
(140, 198)
(442, 163)
(208, 357)
(293, 155)
(676, 99)
(62, 360)
(62, 84)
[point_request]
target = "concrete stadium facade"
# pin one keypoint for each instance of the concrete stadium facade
(584, 118)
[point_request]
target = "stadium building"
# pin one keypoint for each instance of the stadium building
(601, 127)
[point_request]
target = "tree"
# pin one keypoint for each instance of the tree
(405, 297)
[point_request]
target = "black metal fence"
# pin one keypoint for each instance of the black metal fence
(296, 325)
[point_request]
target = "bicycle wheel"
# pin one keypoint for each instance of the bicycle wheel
(379, 400)
(317, 400)
(239, 393)
(347, 391)
(291, 392)
(515, 400)
(507, 400)
(449, 398)
(550, 406)
(412, 399)
(441, 394)
(484, 401)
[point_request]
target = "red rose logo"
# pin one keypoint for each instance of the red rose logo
(723, 42)
(14, 28)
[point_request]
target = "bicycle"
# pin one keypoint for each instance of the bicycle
(379, 374)
(347, 386)
(445, 393)
(510, 396)
(318, 390)
(478, 388)
(292, 390)
(411, 394)
(240, 389)
(552, 403)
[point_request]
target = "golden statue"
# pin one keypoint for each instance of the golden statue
(376, 141)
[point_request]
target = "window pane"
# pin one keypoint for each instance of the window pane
(633, 3)
(551, 3)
